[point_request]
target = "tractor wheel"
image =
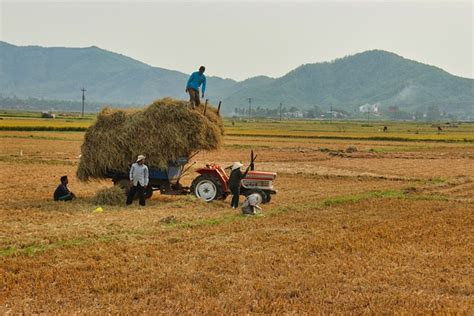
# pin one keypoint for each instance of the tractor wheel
(264, 197)
(207, 188)
(268, 199)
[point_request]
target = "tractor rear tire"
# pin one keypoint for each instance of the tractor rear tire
(207, 188)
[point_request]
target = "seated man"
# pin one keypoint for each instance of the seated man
(62, 193)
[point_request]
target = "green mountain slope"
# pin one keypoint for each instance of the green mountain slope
(369, 77)
(60, 73)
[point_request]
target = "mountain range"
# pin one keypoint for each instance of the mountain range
(371, 77)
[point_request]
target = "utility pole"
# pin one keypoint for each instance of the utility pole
(368, 112)
(83, 99)
(250, 106)
(280, 110)
(332, 114)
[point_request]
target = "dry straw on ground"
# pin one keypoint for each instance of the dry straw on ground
(114, 195)
(164, 131)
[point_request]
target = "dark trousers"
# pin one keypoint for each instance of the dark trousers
(235, 196)
(138, 189)
(67, 197)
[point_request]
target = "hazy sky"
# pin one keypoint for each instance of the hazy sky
(248, 38)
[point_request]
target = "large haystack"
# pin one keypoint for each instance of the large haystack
(163, 132)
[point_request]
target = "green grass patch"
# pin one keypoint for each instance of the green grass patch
(44, 128)
(245, 146)
(40, 137)
(362, 196)
(389, 194)
(23, 160)
(33, 249)
(347, 137)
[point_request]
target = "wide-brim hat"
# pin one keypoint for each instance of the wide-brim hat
(236, 165)
(140, 157)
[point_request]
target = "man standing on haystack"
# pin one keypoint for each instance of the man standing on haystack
(192, 87)
(139, 180)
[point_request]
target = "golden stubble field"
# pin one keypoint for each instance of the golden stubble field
(388, 228)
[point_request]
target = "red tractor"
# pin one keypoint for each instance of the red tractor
(210, 185)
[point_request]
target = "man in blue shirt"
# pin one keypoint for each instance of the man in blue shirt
(192, 87)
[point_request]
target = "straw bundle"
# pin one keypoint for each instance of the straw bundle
(110, 196)
(163, 132)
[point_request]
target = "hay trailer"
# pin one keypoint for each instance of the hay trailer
(211, 184)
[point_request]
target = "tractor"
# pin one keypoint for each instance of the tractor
(210, 185)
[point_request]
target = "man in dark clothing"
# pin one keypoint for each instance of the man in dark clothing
(234, 183)
(62, 192)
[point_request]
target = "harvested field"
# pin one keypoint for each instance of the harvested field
(386, 229)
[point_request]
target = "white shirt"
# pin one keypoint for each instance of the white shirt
(252, 200)
(139, 173)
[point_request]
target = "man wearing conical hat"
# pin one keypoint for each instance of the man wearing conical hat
(234, 182)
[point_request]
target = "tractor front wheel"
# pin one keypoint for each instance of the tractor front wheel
(207, 188)
(264, 196)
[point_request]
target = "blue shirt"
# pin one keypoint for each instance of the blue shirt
(195, 80)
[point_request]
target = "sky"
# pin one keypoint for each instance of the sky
(242, 39)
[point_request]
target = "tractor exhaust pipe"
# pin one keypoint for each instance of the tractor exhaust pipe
(252, 160)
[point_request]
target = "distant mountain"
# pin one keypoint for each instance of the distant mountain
(60, 73)
(370, 77)
(366, 78)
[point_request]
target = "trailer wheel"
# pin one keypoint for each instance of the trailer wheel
(148, 192)
(207, 188)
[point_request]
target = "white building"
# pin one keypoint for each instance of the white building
(374, 108)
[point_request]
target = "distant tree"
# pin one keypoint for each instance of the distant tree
(314, 112)
(399, 115)
(294, 109)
